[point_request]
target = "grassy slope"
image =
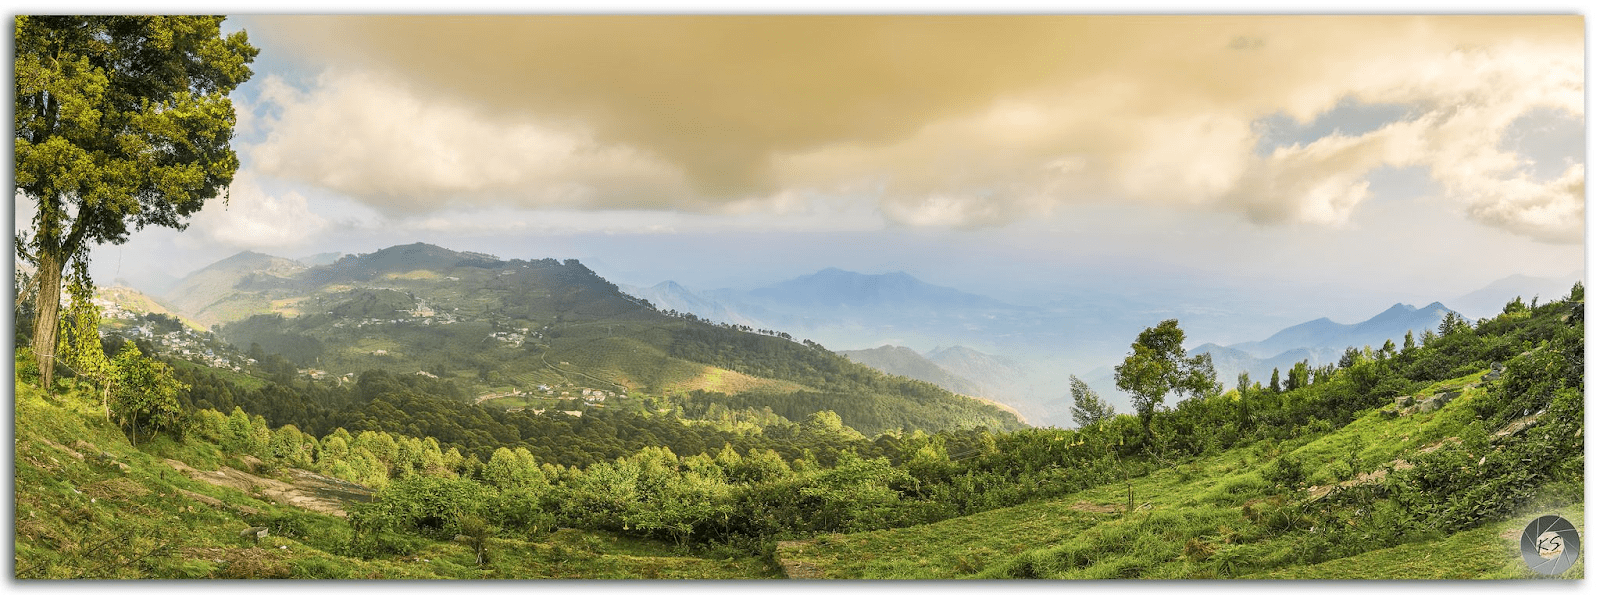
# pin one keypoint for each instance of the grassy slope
(593, 336)
(91, 517)
(1181, 511)
(1487, 552)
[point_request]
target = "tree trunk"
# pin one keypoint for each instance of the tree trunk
(46, 319)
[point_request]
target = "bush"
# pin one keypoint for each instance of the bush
(430, 506)
(521, 510)
(145, 394)
(1287, 472)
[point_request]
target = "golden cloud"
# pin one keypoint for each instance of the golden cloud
(945, 120)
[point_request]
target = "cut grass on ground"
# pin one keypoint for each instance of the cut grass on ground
(1197, 519)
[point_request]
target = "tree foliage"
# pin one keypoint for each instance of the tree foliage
(145, 394)
(121, 121)
(1157, 366)
(1087, 406)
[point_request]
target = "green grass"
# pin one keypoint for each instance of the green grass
(1212, 517)
(1385, 440)
(1488, 552)
(126, 515)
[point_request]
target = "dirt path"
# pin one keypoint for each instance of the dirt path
(793, 568)
(309, 491)
(1087, 506)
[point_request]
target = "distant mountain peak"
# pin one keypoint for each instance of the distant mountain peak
(1323, 333)
(1489, 300)
(251, 261)
(833, 287)
(244, 256)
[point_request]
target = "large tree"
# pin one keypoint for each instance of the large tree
(1157, 366)
(121, 121)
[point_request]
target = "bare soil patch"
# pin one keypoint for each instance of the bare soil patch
(1091, 507)
(796, 569)
(310, 491)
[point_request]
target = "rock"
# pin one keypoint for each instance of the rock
(1446, 397)
(1497, 366)
(1405, 401)
(1516, 427)
(1388, 414)
(1429, 405)
(253, 533)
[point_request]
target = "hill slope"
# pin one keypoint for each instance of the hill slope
(90, 505)
(903, 361)
(1211, 517)
(212, 295)
(511, 327)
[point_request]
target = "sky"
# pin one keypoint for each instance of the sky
(1336, 164)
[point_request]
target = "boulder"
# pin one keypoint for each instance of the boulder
(1428, 405)
(1405, 401)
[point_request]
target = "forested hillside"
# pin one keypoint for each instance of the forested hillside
(1396, 449)
(501, 330)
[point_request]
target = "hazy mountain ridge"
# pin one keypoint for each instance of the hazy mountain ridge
(669, 295)
(904, 361)
(1391, 324)
(1492, 298)
(832, 288)
(394, 259)
(211, 295)
(1319, 342)
(320, 259)
(845, 310)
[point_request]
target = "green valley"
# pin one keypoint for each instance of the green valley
(1435, 450)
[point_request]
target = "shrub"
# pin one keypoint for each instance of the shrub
(1285, 471)
(145, 395)
(431, 506)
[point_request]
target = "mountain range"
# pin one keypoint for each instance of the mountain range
(1491, 299)
(1391, 324)
(1319, 341)
(535, 329)
(1016, 355)
(1086, 334)
(212, 295)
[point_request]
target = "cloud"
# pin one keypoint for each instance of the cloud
(369, 136)
(252, 219)
(942, 121)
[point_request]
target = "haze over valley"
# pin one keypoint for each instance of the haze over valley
(968, 343)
